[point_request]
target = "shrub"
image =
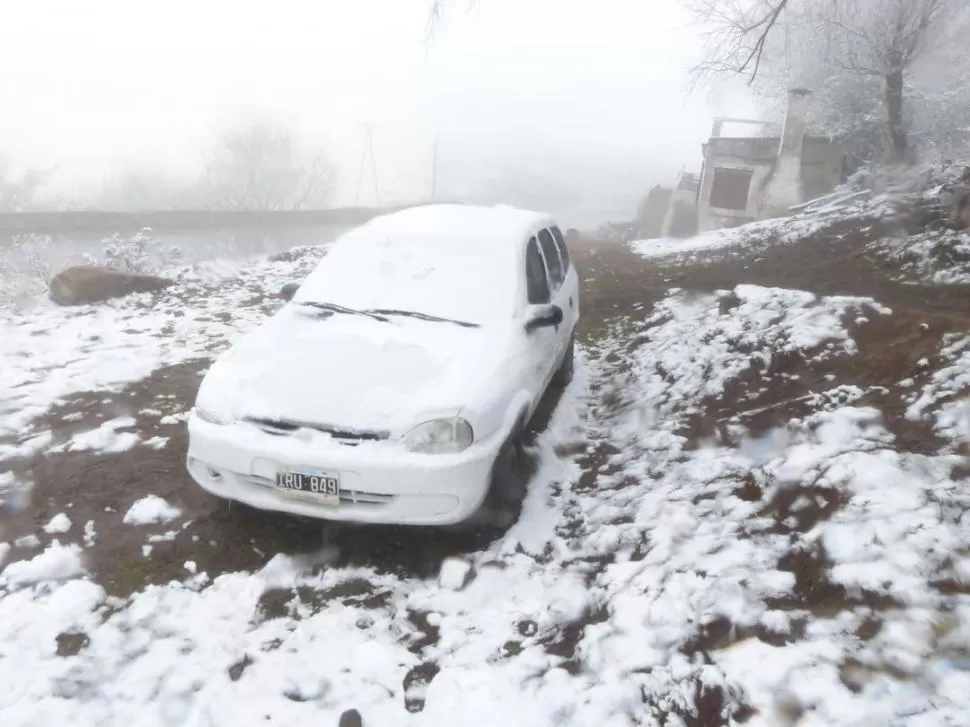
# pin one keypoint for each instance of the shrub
(25, 268)
(142, 253)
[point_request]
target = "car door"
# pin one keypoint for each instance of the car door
(543, 342)
(559, 295)
(571, 284)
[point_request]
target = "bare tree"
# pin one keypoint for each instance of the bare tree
(437, 11)
(20, 192)
(262, 166)
(885, 39)
(846, 47)
(736, 34)
(144, 188)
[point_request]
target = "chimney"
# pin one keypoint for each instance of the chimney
(793, 131)
(783, 188)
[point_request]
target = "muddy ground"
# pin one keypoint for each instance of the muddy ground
(617, 284)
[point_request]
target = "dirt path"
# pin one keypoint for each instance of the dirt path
(837, 260)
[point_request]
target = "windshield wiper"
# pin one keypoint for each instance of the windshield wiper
(421, 316)
(334, 308)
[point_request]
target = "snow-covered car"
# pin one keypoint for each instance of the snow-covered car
(396, 383)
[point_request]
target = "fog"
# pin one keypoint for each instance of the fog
(574, 106)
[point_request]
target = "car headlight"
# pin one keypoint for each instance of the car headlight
(440, 436)
(210, 416)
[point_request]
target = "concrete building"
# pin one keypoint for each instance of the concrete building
(754, 178)
(680, 219)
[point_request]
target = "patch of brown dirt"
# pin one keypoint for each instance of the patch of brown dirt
(415, 684)
(709, 706)
(833, 261)
(219, 537)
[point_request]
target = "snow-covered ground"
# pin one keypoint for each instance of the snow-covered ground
(941, 257)
(811, 574)
(782, 231)
(905, 230)
(49, 352)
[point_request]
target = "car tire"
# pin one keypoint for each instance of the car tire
(509, 477)
(508, 481)
(564, 374)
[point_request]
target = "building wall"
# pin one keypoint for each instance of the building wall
(733, 154)
(784, 188)
(822, 169)
(821, 172)
(681, 217)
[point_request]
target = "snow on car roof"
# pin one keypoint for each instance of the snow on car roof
(439, 222)
(454, 261)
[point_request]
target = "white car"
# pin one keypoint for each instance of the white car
(394, 385)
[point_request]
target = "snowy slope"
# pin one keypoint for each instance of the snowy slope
(663, 572)
(780, 231)
(51, 352)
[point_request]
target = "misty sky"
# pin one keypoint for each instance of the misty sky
(591, 91)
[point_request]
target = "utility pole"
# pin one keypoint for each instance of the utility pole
(434, 169)
(368, 151)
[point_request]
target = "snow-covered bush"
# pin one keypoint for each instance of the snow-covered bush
(142, 253)
(25, 268)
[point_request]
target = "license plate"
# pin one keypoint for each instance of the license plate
(317, 486)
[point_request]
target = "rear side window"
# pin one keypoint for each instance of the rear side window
(561, 246)
(537, 285)
(551, 254)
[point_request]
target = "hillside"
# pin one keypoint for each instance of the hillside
(749, 507)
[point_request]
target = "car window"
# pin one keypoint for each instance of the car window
(553, 263)
(561, 246)
(535, 273)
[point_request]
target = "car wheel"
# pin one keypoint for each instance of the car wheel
(509, 479)
(564, 374)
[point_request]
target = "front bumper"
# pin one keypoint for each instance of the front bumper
(379, 482)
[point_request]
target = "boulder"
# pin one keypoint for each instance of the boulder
(960, 209)
(86, 284)
(351, 718)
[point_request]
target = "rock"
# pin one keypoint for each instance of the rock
(237, 669)
(69, 643)
(728, 302)
(455, 573)
(289, 290)
(87, 284)
(960, 209)
(351, 718)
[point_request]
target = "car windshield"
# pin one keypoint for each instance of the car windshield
(470, 282)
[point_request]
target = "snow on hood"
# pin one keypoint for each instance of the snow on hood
(349, 371)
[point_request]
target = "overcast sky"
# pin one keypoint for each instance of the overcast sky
(596, 86)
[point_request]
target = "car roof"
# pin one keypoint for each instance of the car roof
(456, 224)
(462, 262)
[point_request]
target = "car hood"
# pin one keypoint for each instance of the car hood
(348, 371)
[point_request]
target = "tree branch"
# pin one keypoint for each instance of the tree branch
(737, 35)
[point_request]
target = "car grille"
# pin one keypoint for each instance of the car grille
(347, 497)
(349, 437)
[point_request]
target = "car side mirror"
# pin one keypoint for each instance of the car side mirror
(289, 290)
(543, 316)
